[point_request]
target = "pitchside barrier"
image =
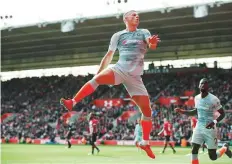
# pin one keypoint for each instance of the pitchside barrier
(98, 142)
(79, 142)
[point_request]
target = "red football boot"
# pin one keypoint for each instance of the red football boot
(68, 104)
(147, 149)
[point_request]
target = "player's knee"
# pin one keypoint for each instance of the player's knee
(146, 116)
(105, 78)
(194, 151)
(146, 110)
(195, 148)
(98, 80)
(213, 157)
(94, 83)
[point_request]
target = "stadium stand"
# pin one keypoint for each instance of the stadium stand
(34, 104)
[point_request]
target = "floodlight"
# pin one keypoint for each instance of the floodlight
(200, 11)
(67, 26)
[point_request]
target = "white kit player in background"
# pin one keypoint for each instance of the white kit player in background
(205, 131)
(138, 134)
(132, 44)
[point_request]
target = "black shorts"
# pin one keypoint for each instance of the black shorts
(167, 138)
(94, 138)
(68, 135)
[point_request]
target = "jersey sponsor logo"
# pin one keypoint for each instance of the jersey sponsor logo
(125, 42)
(203, 105)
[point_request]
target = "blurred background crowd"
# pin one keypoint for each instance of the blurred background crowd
(33, 104)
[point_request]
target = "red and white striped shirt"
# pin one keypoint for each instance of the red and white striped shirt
(167, 129)
(93, 126)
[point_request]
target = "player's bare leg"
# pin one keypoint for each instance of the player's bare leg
(195, 150)
(137, 145)
(165, 146)
(228, 151)
(94, 147)
(106, 77)
(69, 143)
(172, 147)
(215, 154)
(143, 103)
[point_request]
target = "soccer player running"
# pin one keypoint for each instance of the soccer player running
(205, 106)
(132, 44)
(167, 132)
(93, 130)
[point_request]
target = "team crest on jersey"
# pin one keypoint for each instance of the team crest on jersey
(122, 37)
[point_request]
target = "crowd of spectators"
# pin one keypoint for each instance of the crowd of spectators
(35, 104)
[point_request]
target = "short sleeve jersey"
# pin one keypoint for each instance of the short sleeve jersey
(132, 47)
(167, 129)
(206, 107)
(93, 126)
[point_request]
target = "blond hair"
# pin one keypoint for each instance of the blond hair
(126, 13)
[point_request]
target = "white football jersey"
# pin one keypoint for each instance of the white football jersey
(206, 107)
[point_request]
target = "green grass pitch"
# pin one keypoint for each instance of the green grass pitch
(58, 154)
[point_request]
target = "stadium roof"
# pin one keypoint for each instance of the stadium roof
(27, 13)
(182, 35)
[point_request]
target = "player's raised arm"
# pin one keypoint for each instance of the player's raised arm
(152, 41)
(109, 55)
(186, 112)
